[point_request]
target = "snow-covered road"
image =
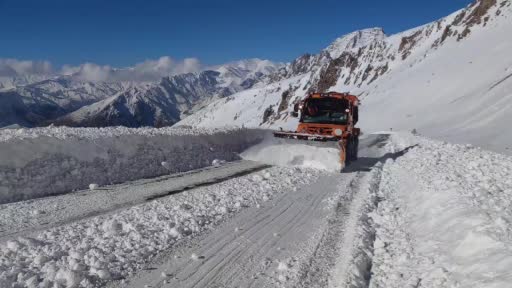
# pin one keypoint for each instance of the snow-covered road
(208, 225)
(261, 247)
(411, 212)
(294, 240)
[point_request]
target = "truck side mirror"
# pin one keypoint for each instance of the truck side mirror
(295, 114)
(296, 108)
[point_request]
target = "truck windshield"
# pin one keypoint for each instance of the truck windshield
(325, 111)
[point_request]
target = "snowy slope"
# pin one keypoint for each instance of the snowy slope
(151, 105)
(13, 111)
(245, 73)
(9, 82)
(57, 96)
(460, 92)
(450, 79)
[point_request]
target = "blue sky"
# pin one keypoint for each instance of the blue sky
(121, 33)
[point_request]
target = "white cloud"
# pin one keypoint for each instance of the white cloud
(93, 73)
(149, 70)
(14, 67)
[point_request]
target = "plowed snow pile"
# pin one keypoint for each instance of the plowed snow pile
(444, 218)
(283, 153)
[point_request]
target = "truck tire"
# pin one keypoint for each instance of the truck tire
(356, 148)
(351, 150)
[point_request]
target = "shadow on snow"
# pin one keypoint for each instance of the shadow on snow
(366, 164)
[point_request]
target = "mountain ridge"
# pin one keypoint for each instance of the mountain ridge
(58, 99)
(397, 77)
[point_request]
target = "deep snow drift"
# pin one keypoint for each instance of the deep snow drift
(49, 161)
(281, 152)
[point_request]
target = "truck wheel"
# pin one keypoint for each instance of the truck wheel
(350, 150)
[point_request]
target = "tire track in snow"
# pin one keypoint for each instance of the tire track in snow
(266, 237)
(334, 256)
(354, 263)
(316, 272)
(286, 221)
(343, 257)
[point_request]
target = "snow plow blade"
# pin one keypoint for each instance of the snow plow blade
(308, 139)
(296, 150)
(316, 140)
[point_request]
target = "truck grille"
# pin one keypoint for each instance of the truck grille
(319, 130)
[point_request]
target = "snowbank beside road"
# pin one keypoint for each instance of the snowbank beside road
(445, 218)
(66, 133)
(48, 161)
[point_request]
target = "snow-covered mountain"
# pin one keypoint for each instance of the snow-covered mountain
(9, 82)
(55, 97)
(450, 78)
(129, 103)
(14, 112)
(164, 103)
(150, 105)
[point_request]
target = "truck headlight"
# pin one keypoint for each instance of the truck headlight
(338, 132)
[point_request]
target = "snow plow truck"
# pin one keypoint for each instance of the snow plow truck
(328, 119)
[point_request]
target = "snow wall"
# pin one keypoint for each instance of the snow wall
(44, 162)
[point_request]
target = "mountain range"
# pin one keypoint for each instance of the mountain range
(451, 78)
(68, 100)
